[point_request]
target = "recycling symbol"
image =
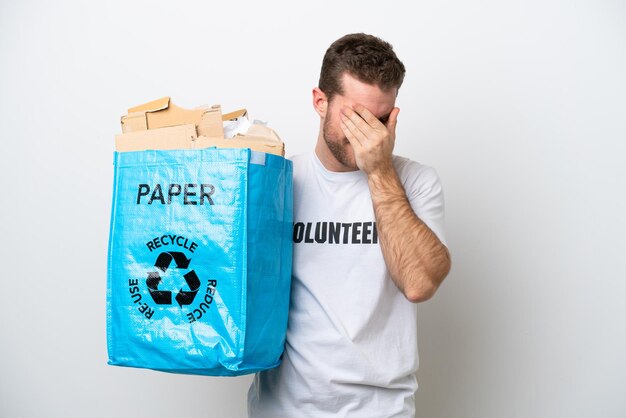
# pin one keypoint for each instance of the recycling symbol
(164, 297)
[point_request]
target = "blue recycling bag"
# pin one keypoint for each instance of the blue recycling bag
(199, 260)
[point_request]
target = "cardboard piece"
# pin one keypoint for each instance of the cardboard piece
(161, 125)
(234, 115)
(162, 113)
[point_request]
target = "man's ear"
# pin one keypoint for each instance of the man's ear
(320, 102)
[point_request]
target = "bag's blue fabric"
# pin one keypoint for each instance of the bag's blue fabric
(199, 263)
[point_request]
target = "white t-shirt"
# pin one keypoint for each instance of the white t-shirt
(351, 346)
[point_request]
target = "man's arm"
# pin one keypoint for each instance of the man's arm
(416, 259)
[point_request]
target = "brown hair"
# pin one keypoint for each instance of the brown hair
(365, 57)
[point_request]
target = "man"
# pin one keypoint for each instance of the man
(368, 245)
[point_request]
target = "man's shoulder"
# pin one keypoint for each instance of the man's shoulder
(404, 165)
(413, 173)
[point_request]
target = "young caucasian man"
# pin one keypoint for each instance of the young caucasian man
(368, 245)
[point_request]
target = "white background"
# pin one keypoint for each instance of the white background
(519, 105)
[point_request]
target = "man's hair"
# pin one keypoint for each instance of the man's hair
(367, 58)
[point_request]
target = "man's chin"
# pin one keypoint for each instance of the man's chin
(347, 160)
(350, 165)
(343, 154)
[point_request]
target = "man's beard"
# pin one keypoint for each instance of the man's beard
(338, 146)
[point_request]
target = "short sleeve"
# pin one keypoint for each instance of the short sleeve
(425, 193)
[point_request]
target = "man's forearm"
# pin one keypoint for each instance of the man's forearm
(416, 259)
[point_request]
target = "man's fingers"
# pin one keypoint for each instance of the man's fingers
(351, 128)
(356, 119)
(361, 114)
(349, 135)
(393, 119)
(366, 115)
